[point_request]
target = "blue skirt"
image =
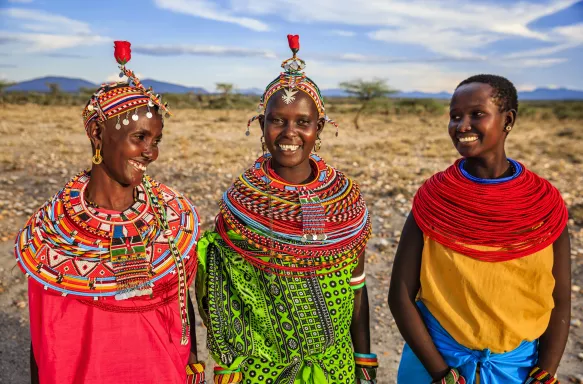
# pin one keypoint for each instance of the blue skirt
(495, 368)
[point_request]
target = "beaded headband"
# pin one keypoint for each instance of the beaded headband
(113, 99)
(291, 81)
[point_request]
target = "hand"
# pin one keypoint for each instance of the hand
(452, 377)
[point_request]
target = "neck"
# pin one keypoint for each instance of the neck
(108, 193)
(490, 167)
(300, 174)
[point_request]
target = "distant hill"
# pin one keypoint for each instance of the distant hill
(73, 85)
(551, 94)
(537, 94)
(250, 91)
(66, 84)
(163, 87)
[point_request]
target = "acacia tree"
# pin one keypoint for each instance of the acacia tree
(226, 91)
(366, 91)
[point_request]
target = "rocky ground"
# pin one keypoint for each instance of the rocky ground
(42, 147)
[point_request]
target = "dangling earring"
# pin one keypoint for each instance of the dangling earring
(263, 145)
(97, 159)
(508, 128)
(318, 145)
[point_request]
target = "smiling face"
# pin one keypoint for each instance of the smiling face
(128, 151)
(476, 124)
(291, 129)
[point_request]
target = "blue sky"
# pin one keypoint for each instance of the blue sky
(416, 45)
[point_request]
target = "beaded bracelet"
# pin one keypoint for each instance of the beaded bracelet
(195, 373)
(452, 377)
(366, 368)
(226, 376)
(358, 282)
(539, 375)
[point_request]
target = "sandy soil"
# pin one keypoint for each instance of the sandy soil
(42, 147)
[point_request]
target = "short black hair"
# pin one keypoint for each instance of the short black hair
(504, 91)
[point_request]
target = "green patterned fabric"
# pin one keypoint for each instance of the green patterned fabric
(277, 330)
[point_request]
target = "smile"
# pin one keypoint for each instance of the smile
(467, 139)
(285, 147)
(137, 165)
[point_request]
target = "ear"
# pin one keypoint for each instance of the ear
(510, 118)
(95, 133)
(261, 119)
(321, 124)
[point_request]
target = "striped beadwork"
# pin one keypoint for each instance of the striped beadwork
(538, 375)
(295, 229)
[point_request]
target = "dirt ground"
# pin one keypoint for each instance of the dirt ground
(203, 151)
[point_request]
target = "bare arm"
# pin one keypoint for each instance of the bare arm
(553, 341)
(34, 379)
(360, 326)
(405, 284)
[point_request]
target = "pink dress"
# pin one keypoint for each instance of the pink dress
(105, 286)
(78, 343)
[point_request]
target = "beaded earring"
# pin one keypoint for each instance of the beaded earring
(508, 128)
(318, 145)
(97, 159)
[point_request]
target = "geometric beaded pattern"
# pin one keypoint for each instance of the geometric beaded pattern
(67, 245)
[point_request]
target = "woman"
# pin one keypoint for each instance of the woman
(486, 254)
(281, 279)
(110, 256)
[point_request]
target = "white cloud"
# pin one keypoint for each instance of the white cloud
(208, 10)
(44, 32)
(39, 42)
(454, 28)
(45, 22)
(208, 50)
(341, 33)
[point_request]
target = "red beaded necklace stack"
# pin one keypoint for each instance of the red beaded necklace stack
(513, 219)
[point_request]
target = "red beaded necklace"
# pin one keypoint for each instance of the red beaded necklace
(513, 219)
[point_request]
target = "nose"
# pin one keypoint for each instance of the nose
(289, 130)
(463, 125)
(148, 151)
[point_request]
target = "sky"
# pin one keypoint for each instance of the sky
(427, 46)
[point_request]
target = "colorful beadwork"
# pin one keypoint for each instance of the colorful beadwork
(195, 373)
(225, 376)
(358, 282)
(366, 368)
(540, 376)
(74, 248)
(293, 80)
(452, 377)
(269, 214)
(113, 99)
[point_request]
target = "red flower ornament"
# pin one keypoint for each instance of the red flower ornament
(294, 43)
(122, 52)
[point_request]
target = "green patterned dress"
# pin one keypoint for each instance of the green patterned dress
(276, 298)
(277, 330)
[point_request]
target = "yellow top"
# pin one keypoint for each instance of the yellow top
(484, 304)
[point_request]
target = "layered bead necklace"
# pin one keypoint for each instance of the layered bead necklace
(512, 217)
(298, 230)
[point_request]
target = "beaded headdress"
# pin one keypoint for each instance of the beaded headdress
(114, 99)
(292, 80)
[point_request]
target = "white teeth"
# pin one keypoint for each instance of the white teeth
(139, 166)
(285, 147)
(468, 139)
